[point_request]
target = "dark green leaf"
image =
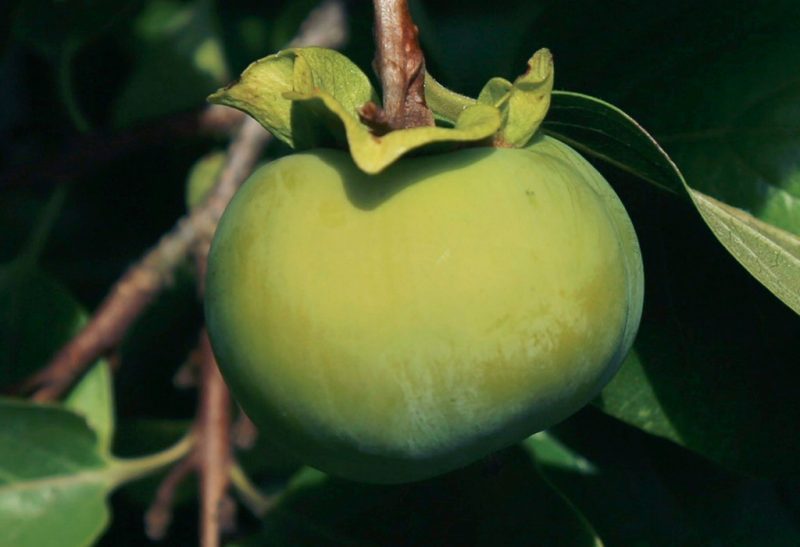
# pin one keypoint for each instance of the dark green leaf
(616, 490)
(58, 29)
(603, 131)
(713, 365)
(500, 502)
(37, 316)
(638, 490)
(52, 478)
(734, 127)
(713, 81)
(600, 129)
(53, 26)
(179, 60)
(468, 44)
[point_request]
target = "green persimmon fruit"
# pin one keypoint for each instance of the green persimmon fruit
(202, 177)
(391, 327)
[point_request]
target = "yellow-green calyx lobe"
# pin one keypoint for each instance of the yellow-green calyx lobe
(391, 330)
(311, 97)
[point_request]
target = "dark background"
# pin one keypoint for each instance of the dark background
(717, 352)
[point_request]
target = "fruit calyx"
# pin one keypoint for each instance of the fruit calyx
(314, 97)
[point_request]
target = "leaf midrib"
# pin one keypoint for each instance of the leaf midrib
(103, 476)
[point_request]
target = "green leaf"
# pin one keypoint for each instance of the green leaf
(303, 95)
(54, 477)
(37, 316)
(632, 396)
(58, 29)
(93, 398)
(500, 502)
(523, 104)
(704, 392)
(638, 490)
(611, 481)
(769, 253)
(712, 81)
(739, 142)
(601, 130)
(178, 60)
(713, 365)
(717, 91)
(55, 26)
(135, 438)
(551, 452)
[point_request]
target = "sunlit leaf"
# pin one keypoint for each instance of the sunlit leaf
(55, 476)
(53, 479)
(93, 398)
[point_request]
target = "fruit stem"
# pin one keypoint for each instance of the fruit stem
(400, 65)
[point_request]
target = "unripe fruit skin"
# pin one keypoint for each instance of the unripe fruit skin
(202, 177)
(390, 328)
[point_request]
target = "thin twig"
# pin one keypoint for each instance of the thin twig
(212, 455)
(244, 432)
(142, 282)
(258, 502)
(133, 292)
(214, 448)
(211, 458)
(159, 515)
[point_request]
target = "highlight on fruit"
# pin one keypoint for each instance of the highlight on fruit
(389, 306)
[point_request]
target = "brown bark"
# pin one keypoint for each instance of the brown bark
(214, 450)
(159, 515)
(325, 26)
(400, 65)
(145, 280)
